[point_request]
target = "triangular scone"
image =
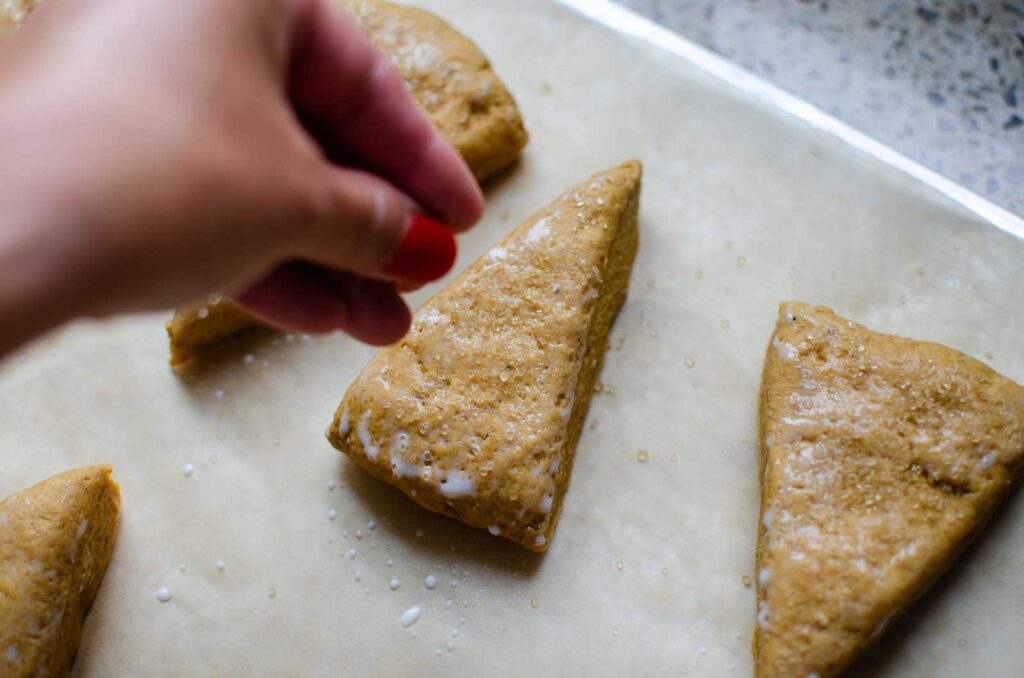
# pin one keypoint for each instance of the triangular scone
(476, 413)
(56, 538)
(198, 329)
(880, 457)
(453, 83)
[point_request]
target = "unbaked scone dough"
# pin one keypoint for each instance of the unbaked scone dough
(455, 86)
(200, 328)
(452, 81)
(476, 413)
(56, 538)
(881, 458)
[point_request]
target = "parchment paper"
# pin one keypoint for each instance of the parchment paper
(742, 207)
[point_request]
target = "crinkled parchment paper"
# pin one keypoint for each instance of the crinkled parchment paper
(743, 206)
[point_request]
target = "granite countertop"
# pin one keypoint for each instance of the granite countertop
(941, 82)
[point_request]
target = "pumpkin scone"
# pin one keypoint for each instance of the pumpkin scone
(476, 413)
(453, 83)
(203, 327)
(881, 457)
(56, 538)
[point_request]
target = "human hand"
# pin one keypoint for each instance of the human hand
(156, 151)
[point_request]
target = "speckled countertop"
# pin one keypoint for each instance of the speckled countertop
(942, 81)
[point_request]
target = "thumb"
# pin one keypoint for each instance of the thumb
(306, 298)
(368, 227)
(365, 238)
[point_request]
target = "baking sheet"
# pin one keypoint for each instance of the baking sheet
(743, 206)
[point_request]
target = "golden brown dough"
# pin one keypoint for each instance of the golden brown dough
(451, 80)
(453, 83)
(476, 413)
(881, 458)
(201, 328)
(56, 538)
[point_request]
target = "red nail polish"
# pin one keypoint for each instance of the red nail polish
(426, 252)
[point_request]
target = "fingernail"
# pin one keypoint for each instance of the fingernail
(427, 251)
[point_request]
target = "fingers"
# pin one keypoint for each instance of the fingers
(306, 298)
(368, 227)
(355, 99)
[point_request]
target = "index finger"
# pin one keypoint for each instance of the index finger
(354, 97)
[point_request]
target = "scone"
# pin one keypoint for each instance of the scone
(476, 413)
(451, 80)
(881, 457)
(203, 327)
(56, 538)
(453, 83)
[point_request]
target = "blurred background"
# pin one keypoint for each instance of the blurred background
(941, 82)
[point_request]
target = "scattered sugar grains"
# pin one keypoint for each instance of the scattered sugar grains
(411, 616)
(163, 594)
(430, 582)
(642, 456)
(182, 568)
(534, 603)
(220, 566)
(394, 584)
(188, 470)
(331, 485)
(746, 580)
(619, 565)
(689, 361)
(332, 514)
(272, 592)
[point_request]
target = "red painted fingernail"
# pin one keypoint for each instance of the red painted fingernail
(426, 252)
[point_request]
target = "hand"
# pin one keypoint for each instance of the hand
(156, 151)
